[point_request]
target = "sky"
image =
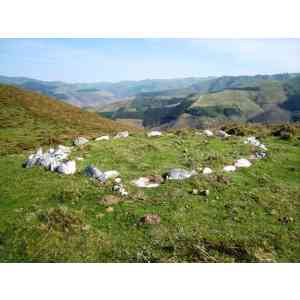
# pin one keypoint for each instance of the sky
(94, 60)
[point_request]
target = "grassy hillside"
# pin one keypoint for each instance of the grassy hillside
(267, 99)
(241, 101)
(252, 215)
(29, 119)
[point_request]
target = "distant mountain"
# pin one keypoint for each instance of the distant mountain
(99, 93)
(261, 98)
(29, 119)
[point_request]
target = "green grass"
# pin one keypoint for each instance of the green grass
(243, 100)
(250, 216)
(29, 119)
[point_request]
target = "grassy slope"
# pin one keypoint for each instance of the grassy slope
(244, 100)
(28, 119)
(239, 221)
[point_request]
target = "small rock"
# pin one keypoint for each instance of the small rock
(204, 193)
(286, 220)
(195, 192)
(68, 167)
(111, 174)
(148, 182)
(80, 141)
(260, 155)
(110, 200)
(92, 171)
(79, 158)
(208, 132)
(223, 134)
(180, 174)
(122, 134)
(207, 171)
(242, 163)
(154, 133)
(151, 219)
(229, 168)
(118, 180)
(109, 209)
(263, 147)
(120, 188)
(102, 138)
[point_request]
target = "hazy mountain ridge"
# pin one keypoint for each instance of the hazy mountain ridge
(92, 94)
(261, 98)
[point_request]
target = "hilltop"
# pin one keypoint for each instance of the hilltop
(29, 119)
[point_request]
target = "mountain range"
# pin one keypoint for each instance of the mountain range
(181, 102)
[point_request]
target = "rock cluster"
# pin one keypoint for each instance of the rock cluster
(53, 160)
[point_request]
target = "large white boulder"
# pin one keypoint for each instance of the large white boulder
(242, 163)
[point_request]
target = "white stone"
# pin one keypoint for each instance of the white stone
(229, 168)
(80, 141)
(111, 174)
(223, 134)
(253, 141)
(102, 138)
(208, 132)
(79, 158)
(122, 134)
(207, 171)
(64, 148)
(144, 182)
(154, 133)
(92, 171)
(263, 147)
(118, 180)
(68, 167)
(180, 174)
(242, 163)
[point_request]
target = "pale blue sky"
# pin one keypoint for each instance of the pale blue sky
(89, 60)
